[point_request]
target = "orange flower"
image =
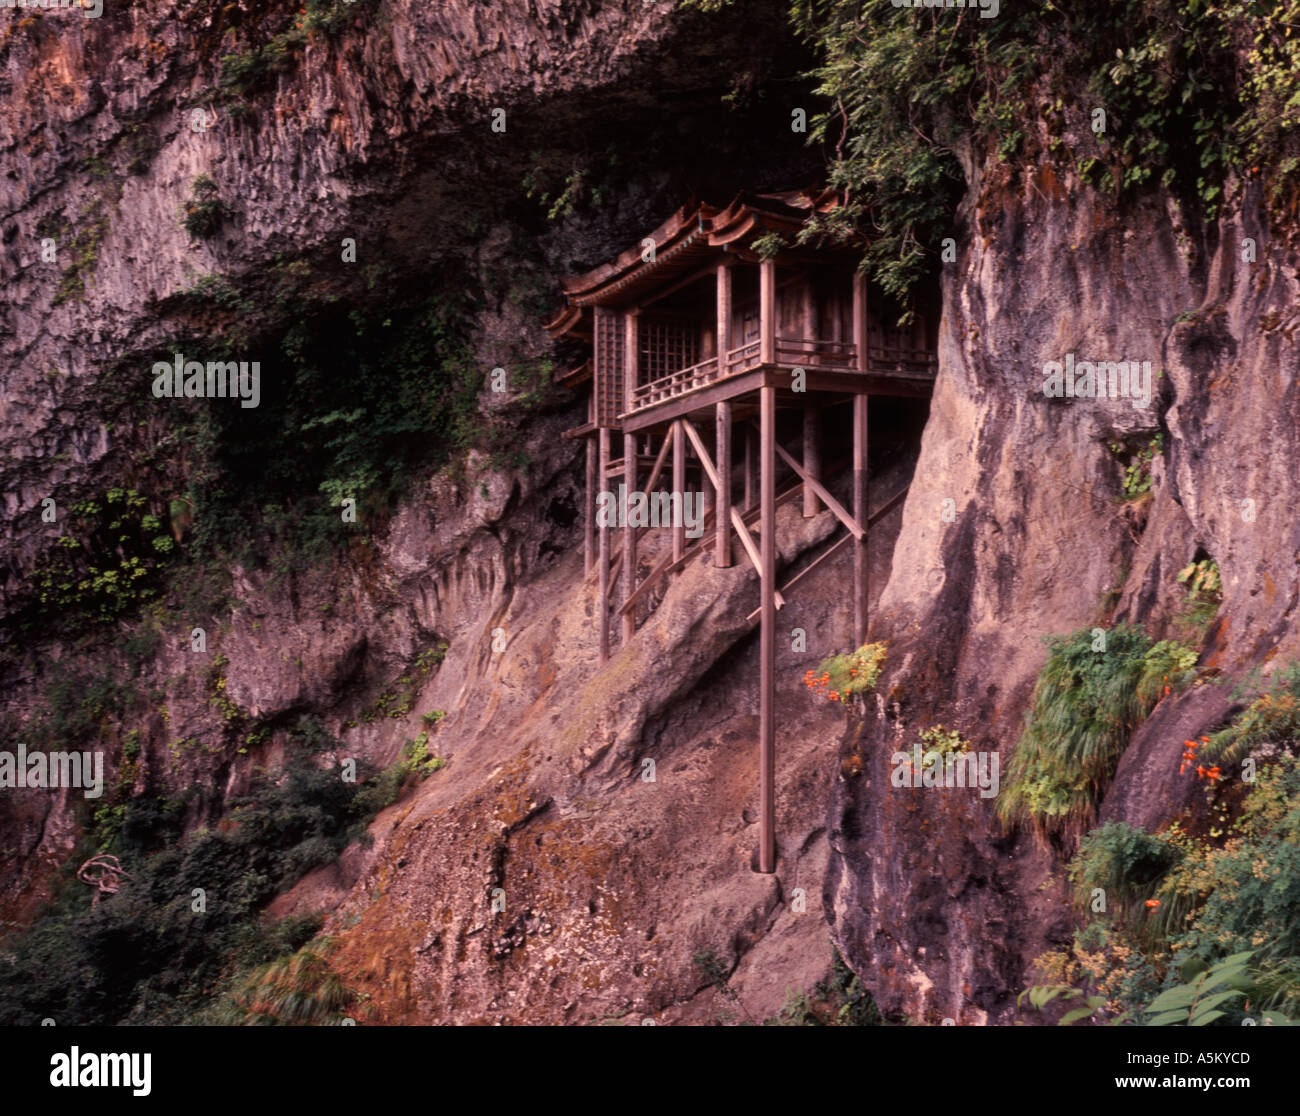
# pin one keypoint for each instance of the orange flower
(834, 695)
(1153, 903)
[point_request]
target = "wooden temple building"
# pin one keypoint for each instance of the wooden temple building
(696, 340)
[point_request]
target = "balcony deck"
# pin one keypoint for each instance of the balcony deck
(828, 366)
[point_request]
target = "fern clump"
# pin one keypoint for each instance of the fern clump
(1085, 706)
(1269, 726)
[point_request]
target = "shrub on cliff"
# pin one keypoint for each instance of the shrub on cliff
(1090, 696)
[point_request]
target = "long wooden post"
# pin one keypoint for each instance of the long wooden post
(767, 312)
(861, 553)
(750, 458)
(722, 541)
(812, 456)
(679, 491)
(602, 561)
(860, 322)
(589, 493)
(630, 377)
(767, 637)
(861, 585)
(724, 317)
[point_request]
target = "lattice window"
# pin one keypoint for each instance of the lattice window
(664, 347)
(610, 348)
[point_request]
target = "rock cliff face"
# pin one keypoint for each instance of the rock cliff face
(613, 882)
(924, 890)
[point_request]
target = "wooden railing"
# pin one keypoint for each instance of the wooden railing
(791, 352)
(744, 357)
(675, 384)
(913, 362)
(808, 353)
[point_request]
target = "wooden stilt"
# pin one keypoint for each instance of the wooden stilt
(751, 456)
(860, 571)
(812, 456)
(767, 638)
(631, 376)
(767, 311)
(679, 490)
(629, 536)
(722, 545)
(861, 567)
(589, 497)
(602, 561)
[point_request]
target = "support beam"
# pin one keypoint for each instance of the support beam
(724, 317)
(679, 489)
(722, 544)
(589, 494)
(751, 458)
(602, 561)
(861, 586)
(629, 536)
(767, 637)
(812, 457)
(851, 522)
(767, 312)
(860, 322)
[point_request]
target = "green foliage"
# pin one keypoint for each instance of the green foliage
(1197, 1003)
(906, 90)
(1202, 580)
(944, 741)
(299, 990)
(1127, 863)
(415, 764)
(83, 248)
(838, 1001)
(1168, 667)
(1137, 471)
(246, 72)
(107, 561)
(1269, 725)
(204, 213)
(357, 401)
(1085, 705)
(1190, 910)
(769, 244)
(143, 955)
(856, 672)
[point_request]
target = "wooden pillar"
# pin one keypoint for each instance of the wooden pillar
(630, 378)
(722, 543)
(808, 313)
(812, 456)
(861, 585)
(679, 490)
(602, 561)
(750, 458)
(767, 312)
(589, 493)
(860, 322)
(767, 637)
(628, 579)
(724, 317)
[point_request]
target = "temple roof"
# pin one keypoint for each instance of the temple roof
(687, 241)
